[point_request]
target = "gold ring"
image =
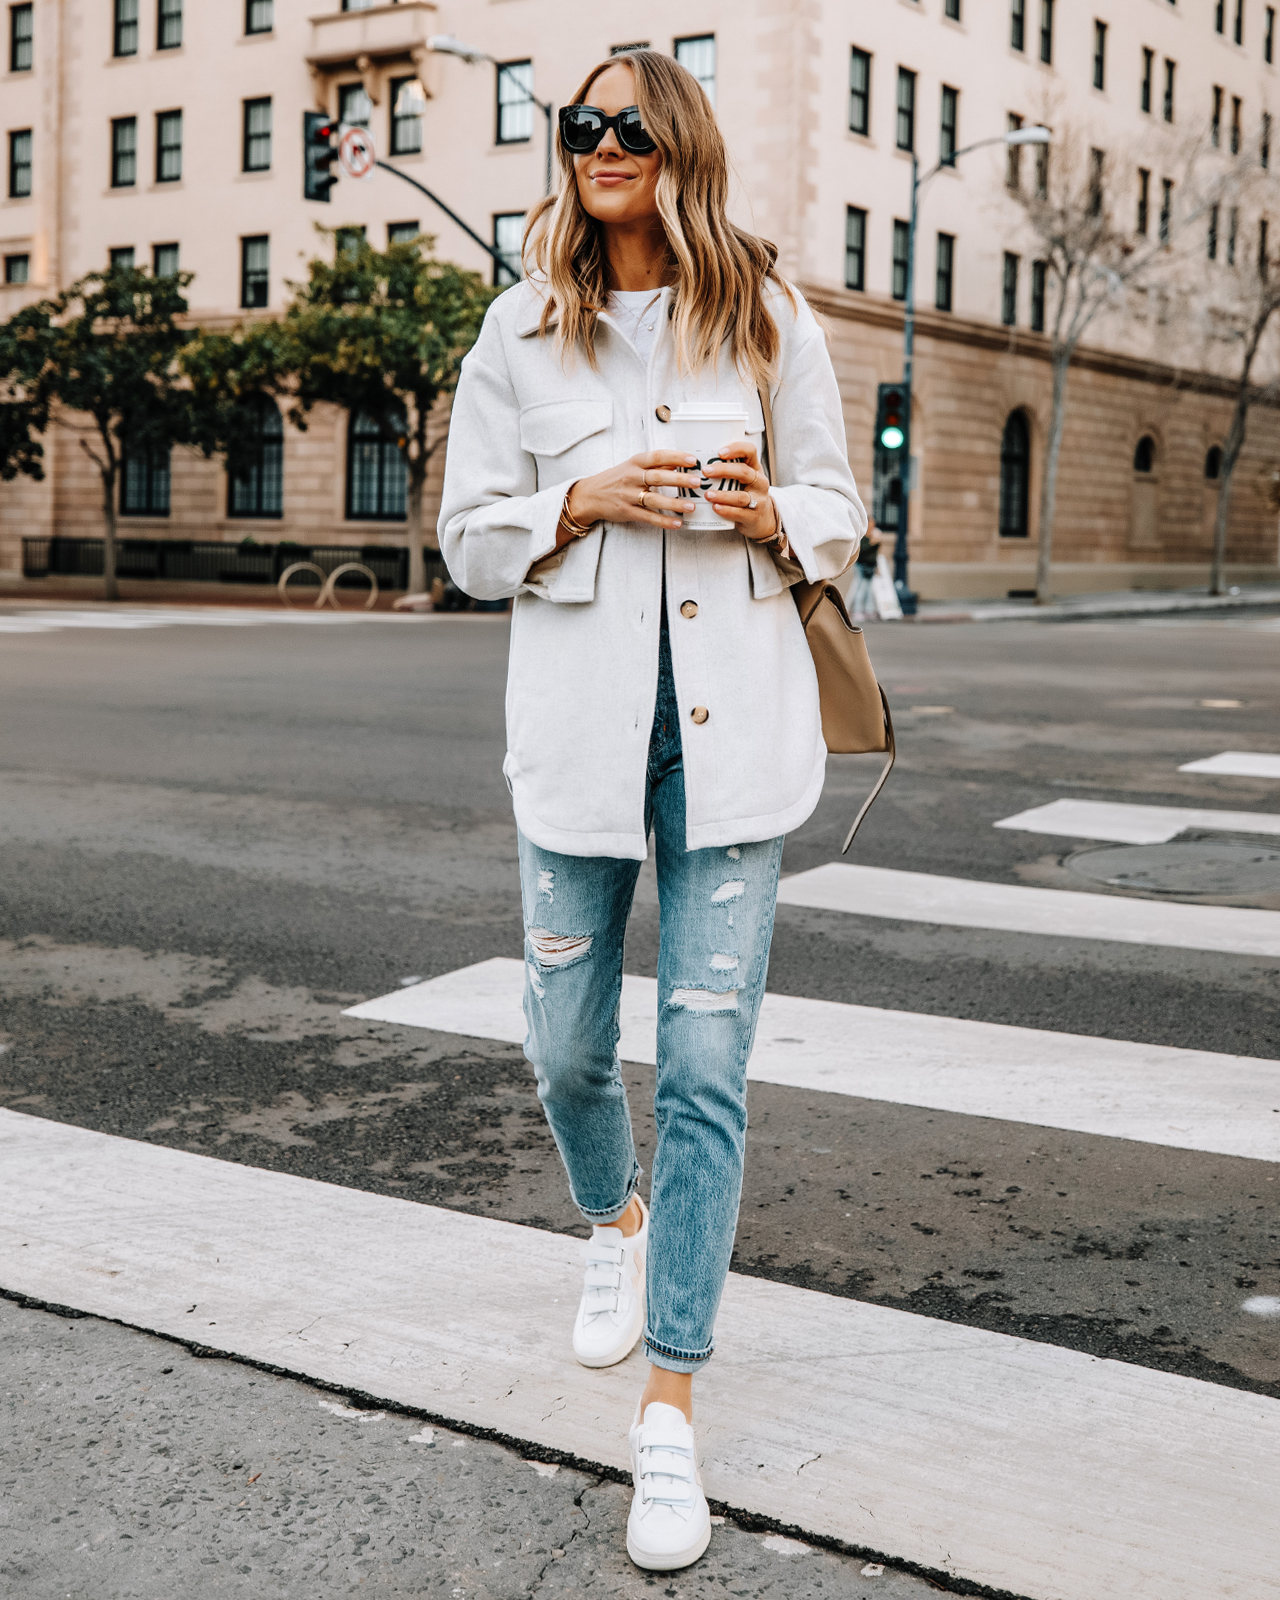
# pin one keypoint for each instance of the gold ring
(640, 501)
(644, 477)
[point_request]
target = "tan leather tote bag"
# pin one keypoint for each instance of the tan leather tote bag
(855, 713)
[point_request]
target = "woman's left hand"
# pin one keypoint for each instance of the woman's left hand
(750, 508)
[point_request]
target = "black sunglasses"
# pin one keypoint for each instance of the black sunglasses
(583, 127)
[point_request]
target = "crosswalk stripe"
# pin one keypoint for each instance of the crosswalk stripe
(1013, 908)
(1005, 1462)
(1126, 824)
(1186, 1099)
(125, 619)
(1237, 764)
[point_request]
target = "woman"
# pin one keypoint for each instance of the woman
(659, 682)
(868, 559)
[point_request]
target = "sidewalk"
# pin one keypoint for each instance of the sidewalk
(1091, 607)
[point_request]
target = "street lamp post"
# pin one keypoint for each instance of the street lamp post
(1017, 136)
(445, 44)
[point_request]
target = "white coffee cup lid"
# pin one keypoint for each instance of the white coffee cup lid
(707, 410)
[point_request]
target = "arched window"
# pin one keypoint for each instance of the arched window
(1015, 476)
(1144, 457)
(256, 470)
(1213, 463)
(376, 477)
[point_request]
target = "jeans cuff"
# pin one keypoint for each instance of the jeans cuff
(602, 1219)
(673, 1360)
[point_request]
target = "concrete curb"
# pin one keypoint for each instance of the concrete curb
(1100, 606)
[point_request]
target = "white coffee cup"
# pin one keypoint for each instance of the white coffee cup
(702, 428)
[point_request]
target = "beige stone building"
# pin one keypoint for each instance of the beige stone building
(173, 132)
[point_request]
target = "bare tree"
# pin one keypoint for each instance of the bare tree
(1093, 260)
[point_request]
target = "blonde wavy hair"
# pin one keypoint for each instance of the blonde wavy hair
(719, 270)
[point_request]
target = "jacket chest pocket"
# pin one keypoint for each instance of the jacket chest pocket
(568, 438)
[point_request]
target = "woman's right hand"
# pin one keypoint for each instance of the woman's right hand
(628, 492)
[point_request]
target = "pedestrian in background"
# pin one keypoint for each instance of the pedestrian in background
(659, 682)
(864, 603)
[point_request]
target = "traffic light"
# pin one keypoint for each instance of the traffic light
(892, 422)
(318, 155)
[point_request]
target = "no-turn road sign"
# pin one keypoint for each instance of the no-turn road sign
(356, 152)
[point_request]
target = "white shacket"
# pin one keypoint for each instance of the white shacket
(583, 669)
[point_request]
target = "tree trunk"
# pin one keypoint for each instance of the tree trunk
(1230, 456)
(413, 525)
(1049, 483)
(110, 588)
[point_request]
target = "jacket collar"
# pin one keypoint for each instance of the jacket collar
(534, 294)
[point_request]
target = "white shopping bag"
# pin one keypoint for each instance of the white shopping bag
(883, 592)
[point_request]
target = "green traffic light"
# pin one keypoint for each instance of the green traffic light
(892, 438)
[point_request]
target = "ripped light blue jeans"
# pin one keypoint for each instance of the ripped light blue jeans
(716, 921)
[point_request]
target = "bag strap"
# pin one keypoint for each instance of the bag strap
(770, 455)
(892, 751)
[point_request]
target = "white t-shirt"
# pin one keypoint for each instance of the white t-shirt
(636, 311)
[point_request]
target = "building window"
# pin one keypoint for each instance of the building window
(901, 240)
(515, 106)
(1212, 241)
(124, 152)
(906, 109)
(1013, 157)
(1233, 233)
(144, 483)
(1009, 291)
(1144, 455)
(348, 242)
(1215, 126)
(257, 135)
(1264, 141)
(1100, 55)
(255, 476)
(164, 260)
(1046, 32)
(1039, 280)
(1148, 68)
(1269, 37)
(1220, 16)
(121, 259)
(22, 39)
(1042, 171)
(17, 269)
(126, 28)
(20, 160)
(168, 146)
(1263, 258)
(698, 55)
(1170, 72)
(375, 474)
(1097, 170)
(255, 261)
(355, 109)
(859, 91)
(952, 10)
(508, 235)
(946, 267)
(1015, 476)
(950, 122)
(259, 16)
(622, 49)
(403, 232)
(855, 248)
(406, 123)
(1166, 208)
(1235, 124)
(1018, 25)
(1213, 464)
(1144, 200)
(168, 24)
(1239, 27)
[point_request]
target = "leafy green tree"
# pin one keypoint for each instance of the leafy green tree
(100, 360)
(383, 333)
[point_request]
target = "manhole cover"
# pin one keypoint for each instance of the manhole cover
(1196, 867)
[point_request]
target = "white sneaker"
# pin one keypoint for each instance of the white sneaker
(670, 1521)
(611, 1312)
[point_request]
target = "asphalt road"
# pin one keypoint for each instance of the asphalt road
(214, 839)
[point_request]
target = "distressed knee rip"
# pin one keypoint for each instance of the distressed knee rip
(723, 963)
(703, 1001)
(546, 885)
(734, 889)
(558, 949)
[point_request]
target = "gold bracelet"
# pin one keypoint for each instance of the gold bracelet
(575, 529)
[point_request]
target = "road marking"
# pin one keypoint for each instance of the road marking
(1237, 764)
(1125, 824)
(1187, 1099)
(1014, 1464)
(123, 618)
(967, 903)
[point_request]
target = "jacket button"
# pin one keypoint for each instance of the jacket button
(663, 413)
(689, 609)
(699, 714)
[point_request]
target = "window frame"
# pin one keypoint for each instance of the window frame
(949, 130)
(1166, 209)
(164, 124)
(1264, 142)
(1220, 17)
(1170, 83)
(354, 439)
(120, 24)
(1046, 32)
(11, 267)
(951, 11)
(156, 467)
(900, 259)
(116, 257)
(250, 7)
(944, 272)
(1148, 80)
(859, 56)
(264, 472)
(1009, 290)
(1211, 238)
(1215, 121)
(1100, 55)
(17, 167)
(855, 251)
(395, 147)
(1013, 156)
(393, 228)
(166, 11)
(504, 71)
(20, 44)
(1269, 36)
(1039, 294)
(1018, 25)
(1097, 180)
(252, 276)
(1143, 221)
(170, 244)
(513, 275)
(251, 139)
(120, 156)
(1237, 30)
(699, 39)
(1015, 459)
(905, 113)
(345, 93)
